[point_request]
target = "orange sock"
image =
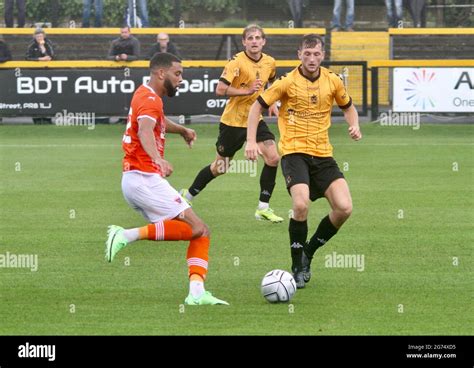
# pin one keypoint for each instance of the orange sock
(166, 230)
(198, 256)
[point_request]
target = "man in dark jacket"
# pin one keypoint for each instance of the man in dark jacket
(40, 49)
(5, 54)
(163, 45)
(124, 48)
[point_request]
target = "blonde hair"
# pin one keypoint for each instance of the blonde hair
(252, 28)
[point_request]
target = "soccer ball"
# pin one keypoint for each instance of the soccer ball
(278, 286)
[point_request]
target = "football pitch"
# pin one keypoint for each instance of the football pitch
(411, 231)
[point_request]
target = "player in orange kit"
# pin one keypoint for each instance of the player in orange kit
(144, 185)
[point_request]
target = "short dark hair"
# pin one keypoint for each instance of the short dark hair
(311, 40)
(252, 28)
(163, 60)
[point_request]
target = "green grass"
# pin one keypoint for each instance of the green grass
(408, 261)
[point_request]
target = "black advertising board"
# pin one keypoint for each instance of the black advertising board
(107, 92)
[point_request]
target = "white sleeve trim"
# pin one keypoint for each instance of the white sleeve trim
(146, 116)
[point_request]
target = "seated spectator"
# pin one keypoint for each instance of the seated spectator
(163, 45)
(124, 48)
(98, 6)
(5, 54)
(40, 49)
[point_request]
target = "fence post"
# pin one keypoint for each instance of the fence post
(375, 93)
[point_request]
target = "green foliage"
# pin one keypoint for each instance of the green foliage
(230, 6)
(160, 11)
(232, 23)
(458, 17)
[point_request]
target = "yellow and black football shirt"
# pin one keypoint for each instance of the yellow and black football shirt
(305, 112)
(240, 72)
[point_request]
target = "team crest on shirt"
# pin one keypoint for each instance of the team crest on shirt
(314, 99)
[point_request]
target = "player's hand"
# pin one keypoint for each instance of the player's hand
(123, 56)
(255, 86)
(165, 167)
(273, 110)
(189, 136)
(355, 133)
(252, 151)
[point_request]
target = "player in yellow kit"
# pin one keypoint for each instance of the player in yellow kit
(244, 77)
(307, 95)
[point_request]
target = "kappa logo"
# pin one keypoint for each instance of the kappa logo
(296, 245)
(314, 99)
(288, 179)
(178, 199)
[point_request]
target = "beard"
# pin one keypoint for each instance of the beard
(170, 90)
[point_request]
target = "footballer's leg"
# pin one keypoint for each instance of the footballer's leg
(340, 200)
(229, 141)
(218, 167)
(159, 203)
(197, 259)
(267, 181)
(298, 230)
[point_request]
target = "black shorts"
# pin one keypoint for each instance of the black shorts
(317, 172)
(231, 139)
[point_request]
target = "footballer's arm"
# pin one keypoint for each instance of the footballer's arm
(189, 135)
(147, 140)
(352, 118)
(251, 148)
(224, 89)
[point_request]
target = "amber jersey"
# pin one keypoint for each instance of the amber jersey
(305, 113)
(240, 72)
(145, 103)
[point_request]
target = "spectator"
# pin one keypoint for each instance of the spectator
(418, 12)
(98, 5)
(163, 45)
(124, 48)
(296, 8)
(336, 19)
(138, 7)
(40, 49)
(5, 54)
(21, 7)
(394, 12)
